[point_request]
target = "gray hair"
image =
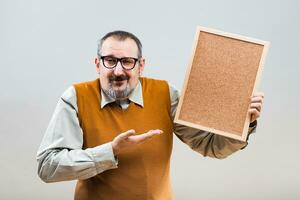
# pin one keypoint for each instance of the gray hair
(120, 35)
(117, 95)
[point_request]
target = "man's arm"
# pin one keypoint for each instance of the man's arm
(60, 156)
(203, 142)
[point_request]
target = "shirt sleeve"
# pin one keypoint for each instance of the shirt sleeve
(203, 142)
(60, 156)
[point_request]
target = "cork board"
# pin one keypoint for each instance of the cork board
(222, 76)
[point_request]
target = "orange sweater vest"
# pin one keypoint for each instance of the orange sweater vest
(143, 172)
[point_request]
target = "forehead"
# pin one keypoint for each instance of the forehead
(119, 48)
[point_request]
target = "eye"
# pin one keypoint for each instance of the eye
(110, 60)
(127, 61)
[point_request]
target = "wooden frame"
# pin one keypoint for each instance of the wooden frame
(223, 74)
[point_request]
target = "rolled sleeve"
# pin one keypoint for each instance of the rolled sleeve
(60, 156)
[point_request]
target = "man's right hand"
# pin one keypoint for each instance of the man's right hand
(128, 140)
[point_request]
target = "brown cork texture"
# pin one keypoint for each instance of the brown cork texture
(220, 83)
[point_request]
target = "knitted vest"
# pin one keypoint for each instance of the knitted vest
(143, 171)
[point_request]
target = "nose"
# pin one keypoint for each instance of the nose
(118, 70)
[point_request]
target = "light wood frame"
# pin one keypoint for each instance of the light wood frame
(244, 123)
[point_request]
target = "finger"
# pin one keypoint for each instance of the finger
(256, 106)
(153, 132)
(254, 113)
(126, 134)
(149, 134)
(145, 136)
(258, 94)
(261, 94)
(258, 99)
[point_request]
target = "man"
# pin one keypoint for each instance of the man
(114, 134)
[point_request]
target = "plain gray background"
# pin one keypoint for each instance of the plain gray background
(45, 46)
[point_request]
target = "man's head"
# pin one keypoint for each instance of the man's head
(119, 63)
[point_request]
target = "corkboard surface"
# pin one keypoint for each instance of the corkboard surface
(220, 83)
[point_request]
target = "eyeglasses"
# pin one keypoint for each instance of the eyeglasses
(111, 62)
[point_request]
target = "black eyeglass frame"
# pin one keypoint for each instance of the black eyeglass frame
(119, 60)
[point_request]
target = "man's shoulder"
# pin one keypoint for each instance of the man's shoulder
(70, 94)
(69, 97)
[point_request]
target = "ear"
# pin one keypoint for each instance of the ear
(97, 63)
(142, 65)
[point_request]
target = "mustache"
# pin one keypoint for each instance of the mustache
(118, 78)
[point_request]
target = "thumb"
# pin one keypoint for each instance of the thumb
(126, 134)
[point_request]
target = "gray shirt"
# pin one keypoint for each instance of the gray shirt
(61, 157)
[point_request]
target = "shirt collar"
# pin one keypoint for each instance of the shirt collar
(136, 96)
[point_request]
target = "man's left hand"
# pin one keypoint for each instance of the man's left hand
(256, 106)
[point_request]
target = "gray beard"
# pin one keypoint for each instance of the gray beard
(118, 94)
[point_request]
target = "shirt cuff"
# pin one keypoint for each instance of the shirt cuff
(252, 129)
(103, 157)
